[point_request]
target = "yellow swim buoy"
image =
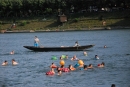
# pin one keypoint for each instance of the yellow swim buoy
(62, 62)
(80, 62)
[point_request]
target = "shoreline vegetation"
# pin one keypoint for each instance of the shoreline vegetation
(75, 22)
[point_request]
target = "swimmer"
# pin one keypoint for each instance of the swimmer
(90, 66)
(66, 56)
(51, 72)
(96, 57)
(53, 66)
(71, 68)
(76, 65)
(105, 46)
(62, 66)
(58, 68)
(85, 53)
(81, 66)
(101, 65)
(12, 52)
(113, 85)
(74, 58)
(61, 58)
(85, 67)
(14, 62)
(59, 72)
(5, 63)
(64, 69)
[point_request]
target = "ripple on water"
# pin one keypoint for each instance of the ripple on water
(30, 72)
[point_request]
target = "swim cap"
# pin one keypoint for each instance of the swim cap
(99, 64)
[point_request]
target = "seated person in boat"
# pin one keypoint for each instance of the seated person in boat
(36, 41)
(5, 63)
(76, 44)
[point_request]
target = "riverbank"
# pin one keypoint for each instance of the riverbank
(75, 22)
(70, 30)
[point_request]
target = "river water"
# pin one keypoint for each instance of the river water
(30, 72)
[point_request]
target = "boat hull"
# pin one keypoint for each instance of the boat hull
(46, 49)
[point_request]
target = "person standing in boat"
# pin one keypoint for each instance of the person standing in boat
(36, 41)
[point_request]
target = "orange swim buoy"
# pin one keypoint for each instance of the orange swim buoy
(62, 62)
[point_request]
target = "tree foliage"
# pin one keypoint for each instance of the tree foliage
(25, 8)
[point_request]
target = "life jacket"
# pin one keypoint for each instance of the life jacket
(53, 67)
(49, 73)
(65, 70)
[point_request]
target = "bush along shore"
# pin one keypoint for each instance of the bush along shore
(74, 22)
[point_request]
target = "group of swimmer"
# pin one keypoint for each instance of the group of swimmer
(79, 66)
(5, 63)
